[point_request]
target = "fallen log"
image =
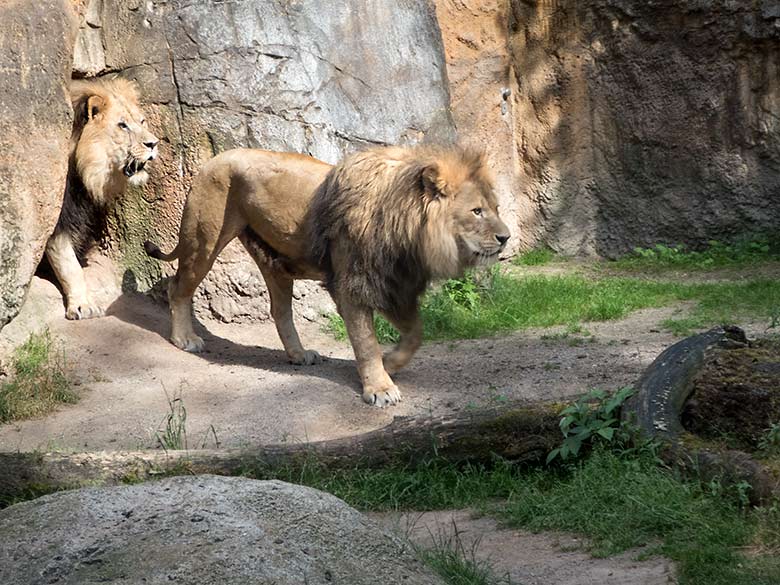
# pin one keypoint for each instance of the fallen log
(516, 432)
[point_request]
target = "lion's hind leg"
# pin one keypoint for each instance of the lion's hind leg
(194, 264)
(411, 338)
(63, 260)
(280, 286)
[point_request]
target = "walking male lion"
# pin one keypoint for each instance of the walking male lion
(377, 228)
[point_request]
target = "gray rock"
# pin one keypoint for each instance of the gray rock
(200, 530)
(36, 42)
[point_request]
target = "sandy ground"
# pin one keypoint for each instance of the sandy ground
(245, 389)
(523, 558)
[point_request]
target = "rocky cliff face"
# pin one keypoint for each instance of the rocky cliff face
(609, 123)
(646, 122)
(36, 41)
(322, 78)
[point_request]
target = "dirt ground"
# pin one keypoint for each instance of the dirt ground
(245, 389)
(517, 557)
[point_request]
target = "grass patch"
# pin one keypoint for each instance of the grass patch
(38, 382)
(618, 502)
(487, 303)
(535, 257)
(716, 255)
(434, 485)
(622, 504)
(457, 564)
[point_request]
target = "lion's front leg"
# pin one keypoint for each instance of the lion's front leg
(378, 388)
(62, 258)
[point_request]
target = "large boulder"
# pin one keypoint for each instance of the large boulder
(317, 77)
(647, 122)
(200, 530)
(36, 43)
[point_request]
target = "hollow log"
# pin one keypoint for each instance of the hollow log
(665, 385)
(516, 432)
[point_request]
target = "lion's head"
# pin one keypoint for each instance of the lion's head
(461, 225)
(403, 216)
(111, 143)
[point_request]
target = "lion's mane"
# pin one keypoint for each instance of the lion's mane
(91, 185)
(376, 209)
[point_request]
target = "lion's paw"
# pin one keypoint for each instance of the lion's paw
(193, 344)
(382, 398)
(84, 311)
(307, 358)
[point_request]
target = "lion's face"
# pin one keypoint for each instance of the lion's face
(115, 143)
(479, 232)
(463, 226)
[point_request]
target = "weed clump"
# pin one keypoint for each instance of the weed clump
(38, 382)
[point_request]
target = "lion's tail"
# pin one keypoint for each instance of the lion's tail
(154, 251)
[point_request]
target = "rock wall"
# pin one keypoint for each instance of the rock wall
(646, 122)
(322, 78)
(36, 43)
(609, 123)
(482, 85)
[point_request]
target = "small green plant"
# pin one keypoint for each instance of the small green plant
(456, 563)
(770, 442)
(462, 291)
(38, 381)
(171, 433)
(591, 419)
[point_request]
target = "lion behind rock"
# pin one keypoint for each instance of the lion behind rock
(376, 228)
(109, 148)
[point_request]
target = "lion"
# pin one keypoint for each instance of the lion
(110, 146)
(376, 229)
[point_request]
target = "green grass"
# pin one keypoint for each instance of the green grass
(535, 257)
(435, 485)
(622, 504)
(744, 251)
(456, 564)
(38, 382)
(618, 502)
(496, 302)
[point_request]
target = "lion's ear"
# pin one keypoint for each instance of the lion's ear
(433, 183)
(95, 105)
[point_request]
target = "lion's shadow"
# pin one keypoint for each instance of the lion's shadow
(144, 312)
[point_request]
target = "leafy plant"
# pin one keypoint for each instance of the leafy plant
(462, 291)
(591, 419)
(770, 442)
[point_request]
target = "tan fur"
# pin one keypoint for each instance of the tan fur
(376, 228)
(110, 146)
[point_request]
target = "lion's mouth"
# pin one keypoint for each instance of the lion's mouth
(133, 167)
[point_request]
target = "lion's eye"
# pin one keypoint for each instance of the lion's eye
(477, 211)
(124, 126)
(143, 122)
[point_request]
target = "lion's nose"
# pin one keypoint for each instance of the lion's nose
(151, 144)
(503, 239)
